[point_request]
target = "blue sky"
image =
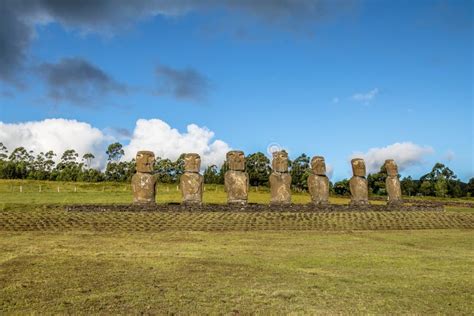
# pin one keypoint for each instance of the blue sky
(324, 78)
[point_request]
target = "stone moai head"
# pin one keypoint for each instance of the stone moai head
(391, 167)
(318, 165)
(280, 161)
(358, 167)
(236, 160)
(192, 162)
(145, 161)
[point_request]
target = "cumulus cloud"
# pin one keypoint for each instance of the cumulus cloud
(329, 171)
(185, 83)
(167, 142)
(405, 154)
(18, 18)
(55, 134)
(156, 135)
(365, 97)
(77, 81)
(449, 155)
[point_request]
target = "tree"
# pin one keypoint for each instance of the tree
(456, 188)
(300, 170)
(178, 168)
(426, 188)
(120, 171)
(409, 186)
(88, 157)
(20, 163)
(115, 152)
(164, 169)
(470, 187)
(3, 152)
(439, 180)
(258, 169)
(437, 171)
(222, 171)
(211, 175)
(441, 187)
(68, 169)
(342, 187)
(376, 181)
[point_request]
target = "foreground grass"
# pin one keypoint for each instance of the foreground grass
(237, 272)
(53, 261)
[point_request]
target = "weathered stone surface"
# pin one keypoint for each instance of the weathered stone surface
(391, 167)
(191, 182)
(392, 183)
(144, 161)
(280, 188)
(318, 166)
(359, 191)
(236, 186)
(358, 167)
(143, 188)
(236, 160)
(192, 187)
(280, 179)
(394, 191)
(192, 162)
(143, 182)
(302, 209)
(318, 187)
(280, 161)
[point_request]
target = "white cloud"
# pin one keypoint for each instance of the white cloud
(329, 171)
(57, 135)
(365, 97)
(166, 142)
(405, 154)
(449, 156)
(156, 135)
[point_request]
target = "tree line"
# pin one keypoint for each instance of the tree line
(24, 164)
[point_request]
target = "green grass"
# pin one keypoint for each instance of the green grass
(423, 272)
(46, 192)
(111, 192)
(53, 261)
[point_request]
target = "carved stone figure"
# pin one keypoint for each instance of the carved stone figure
(143, 182)
(318, 182)
(358, 183)
(191, 182)
(236, 179)
(392, 183)
(144, 161)
(280, 179)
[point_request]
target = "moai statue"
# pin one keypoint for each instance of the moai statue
(318, 182)
(236, 179)
(191, 182)
(358, 183)
(280, 179)
(392, 183)
(143, 182)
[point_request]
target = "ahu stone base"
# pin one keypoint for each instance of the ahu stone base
(250, 207)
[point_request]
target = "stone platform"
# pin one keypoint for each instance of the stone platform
(251, 207)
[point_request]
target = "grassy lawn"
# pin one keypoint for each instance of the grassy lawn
(52, 261)
(237, 272)
(55, 192)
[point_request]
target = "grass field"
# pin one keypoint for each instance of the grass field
(52, 261)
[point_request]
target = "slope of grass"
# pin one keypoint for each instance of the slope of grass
(53, 261)
(21, 218)
(420, 272)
